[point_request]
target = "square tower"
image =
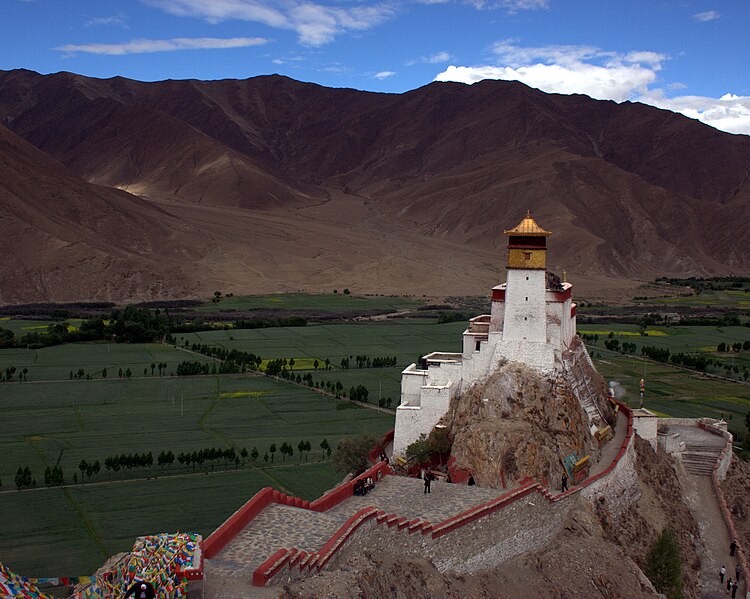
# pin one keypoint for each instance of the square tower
(525, 314)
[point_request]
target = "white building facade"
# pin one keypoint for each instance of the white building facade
(532, 321)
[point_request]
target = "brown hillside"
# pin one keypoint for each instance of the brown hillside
(362, 187)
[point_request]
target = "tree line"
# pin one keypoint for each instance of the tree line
(131, 325)
(209, 457)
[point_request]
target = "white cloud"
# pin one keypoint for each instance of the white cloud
(142, 46)
(603, 75)
(512, 6)
(436, 58)
(709, 15)
(729, 113)
(113, 20)
(566, 69)
(384, 74)
(315, 24)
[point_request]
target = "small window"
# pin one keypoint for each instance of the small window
(527, 278)
(525, 318)
(478, 345)
(527, 255)
(527, 299)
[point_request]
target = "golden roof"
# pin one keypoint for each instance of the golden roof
(528, 228)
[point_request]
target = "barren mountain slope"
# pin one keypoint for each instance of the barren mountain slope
(629, 190)
(62, 237)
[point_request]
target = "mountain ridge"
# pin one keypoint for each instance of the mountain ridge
(631, 191)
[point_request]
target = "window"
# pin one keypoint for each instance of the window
(527, 255)
(527, 299)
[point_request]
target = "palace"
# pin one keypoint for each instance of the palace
(532, 321)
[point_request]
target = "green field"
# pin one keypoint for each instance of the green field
(685, 339)
(22, 327)
(311, 301)
(56, 362)
(93, 419)
(726, 298)
(406, 340)
(676, 392)
(70, 531)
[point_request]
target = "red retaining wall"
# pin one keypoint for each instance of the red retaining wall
(374, 455)
(218, 539)
(307, 562)
(724, 507)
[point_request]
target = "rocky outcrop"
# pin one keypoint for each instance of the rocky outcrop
(587, 384)
(518, 423)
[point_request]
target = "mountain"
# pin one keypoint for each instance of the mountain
(292, 185)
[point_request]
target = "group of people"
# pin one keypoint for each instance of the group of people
(732, 585)
(363, 486)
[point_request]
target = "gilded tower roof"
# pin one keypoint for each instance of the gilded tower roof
(528, 227)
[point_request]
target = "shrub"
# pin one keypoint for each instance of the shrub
(663, 565)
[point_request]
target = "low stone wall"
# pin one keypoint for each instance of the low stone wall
(617, 486)
(481, 537)
(722, 466)
(528, 521)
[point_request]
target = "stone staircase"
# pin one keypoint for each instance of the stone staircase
(281, 526)
(700, 459)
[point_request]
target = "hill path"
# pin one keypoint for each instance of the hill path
(280, 526)
(702, 449)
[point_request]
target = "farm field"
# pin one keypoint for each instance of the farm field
(52, 417)
(727, 298)
(75, 420)
(405, 339)
(685, 339)
(23, 326)
(57, 362)
(675, 392)
(311, 301)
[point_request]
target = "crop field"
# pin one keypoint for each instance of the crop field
(22, 326)
(311, 301)
(57, 362)
(726, 298)
(685, 339)
(404, 339)
(675, 392)
(70, 531)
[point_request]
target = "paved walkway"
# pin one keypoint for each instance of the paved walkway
(229, 574)
(703, 448)
(406, 497)
(610, 449)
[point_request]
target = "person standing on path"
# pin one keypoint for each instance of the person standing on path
(733, 547)
(734, 590)
(722, 572)
(729, 585)
(427, 480)
(564, 485)
(737, 572)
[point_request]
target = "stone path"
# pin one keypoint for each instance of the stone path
(701, 451)
(610, 449)
(405, 497)
(229, 574)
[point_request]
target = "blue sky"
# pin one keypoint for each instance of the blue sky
(690, 56)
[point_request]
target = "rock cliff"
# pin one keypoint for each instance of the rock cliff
(518, 423)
